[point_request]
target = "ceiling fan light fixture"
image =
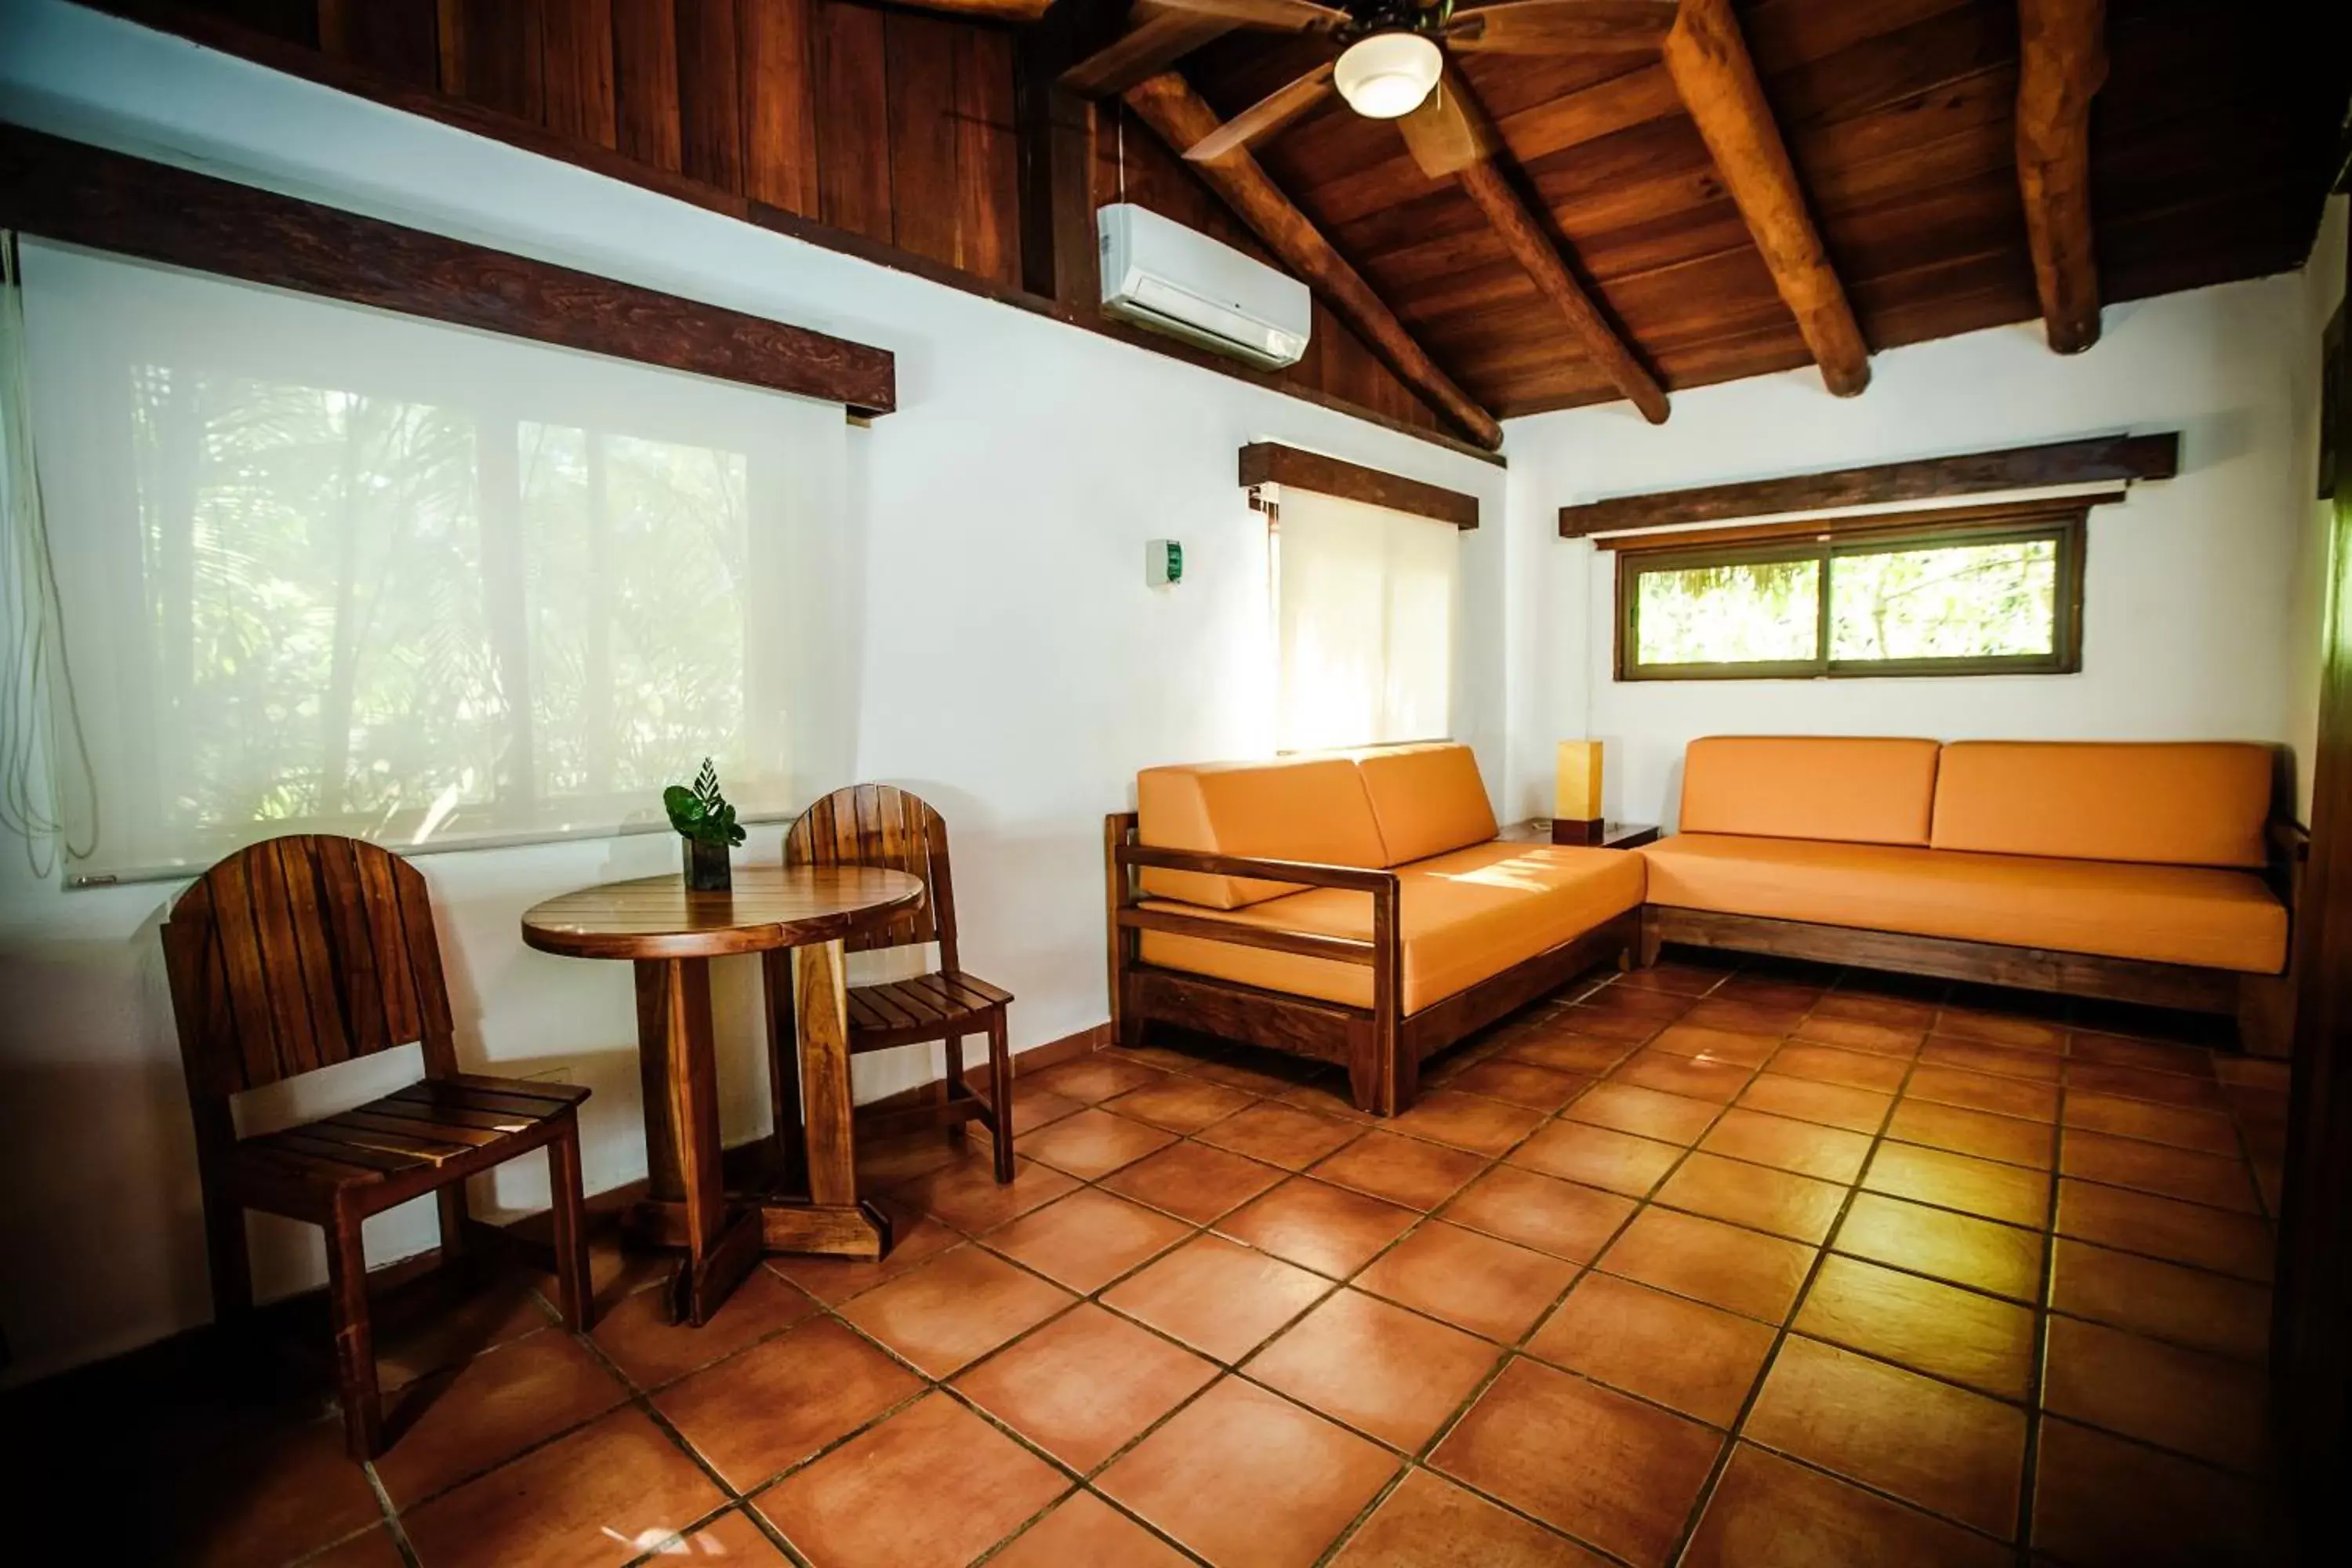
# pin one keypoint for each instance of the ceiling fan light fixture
(1387, 74)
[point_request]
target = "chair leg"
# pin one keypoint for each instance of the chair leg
(347, 1300)
(451, 1201)
(230, 1261)
(1000, 1096)
(951, 1049)
(576, 1293)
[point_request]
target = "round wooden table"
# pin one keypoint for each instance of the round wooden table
(796, 919)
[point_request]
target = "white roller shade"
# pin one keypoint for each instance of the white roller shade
(1366, 601)
(326, 568)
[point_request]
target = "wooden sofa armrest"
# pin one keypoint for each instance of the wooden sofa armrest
(1382, 951)
(1312, 873)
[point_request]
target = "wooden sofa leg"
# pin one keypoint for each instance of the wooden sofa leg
(575, 1290)
(1647, 944)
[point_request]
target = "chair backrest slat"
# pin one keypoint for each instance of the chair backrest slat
(301, 953)
(879, 825)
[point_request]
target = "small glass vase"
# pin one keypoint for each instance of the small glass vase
(707, 868)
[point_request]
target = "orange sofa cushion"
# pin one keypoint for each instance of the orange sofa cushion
(1465, 916)
(2201, 802)
(2163, 914)
(1298, 808)
(1427, 799)
(1855, 790)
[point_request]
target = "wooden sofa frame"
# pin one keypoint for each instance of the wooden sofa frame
(2263, 1005)
(1380, 1047)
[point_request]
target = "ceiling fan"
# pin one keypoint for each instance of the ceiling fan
(1389, 60)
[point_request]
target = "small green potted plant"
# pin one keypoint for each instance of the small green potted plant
(707, 823)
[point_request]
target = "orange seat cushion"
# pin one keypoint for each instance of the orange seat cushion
(1466, 916)
(2200, 803)
(1855, 790)
(1298, 808)
(1427, 799)
(2163, 914)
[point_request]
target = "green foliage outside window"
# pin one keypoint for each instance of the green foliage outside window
(1981, 602)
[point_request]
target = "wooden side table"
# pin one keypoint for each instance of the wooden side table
(1614, 834)
(671, 935)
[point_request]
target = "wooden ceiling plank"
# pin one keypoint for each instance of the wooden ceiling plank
(1531, 245)
(2099, 460)
(1144, 50)
(2062, 65)
(1708, 61)
(1180, 117)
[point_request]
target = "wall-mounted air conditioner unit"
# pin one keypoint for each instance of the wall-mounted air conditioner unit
(1160, 274)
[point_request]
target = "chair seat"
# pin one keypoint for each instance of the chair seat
(429, 1123)
(924, 1008)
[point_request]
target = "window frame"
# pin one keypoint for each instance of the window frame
(2066, 528)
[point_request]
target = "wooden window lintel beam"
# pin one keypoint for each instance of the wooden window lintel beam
(1270, 462)
(2123, 459)
(69, 191)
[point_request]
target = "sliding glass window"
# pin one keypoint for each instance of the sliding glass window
(1998, 594)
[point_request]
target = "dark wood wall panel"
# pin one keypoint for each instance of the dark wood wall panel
(645, 76)
(577, 73)
(710, 94)
(780, 164)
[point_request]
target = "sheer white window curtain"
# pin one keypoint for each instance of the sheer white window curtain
(322, 568)
(1366, 604)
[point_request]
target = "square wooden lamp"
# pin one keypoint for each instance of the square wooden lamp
(1576, 801)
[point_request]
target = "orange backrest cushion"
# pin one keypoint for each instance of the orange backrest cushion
(1298, 808)
(1426, 798)
(2169, 803)
(1851, 789)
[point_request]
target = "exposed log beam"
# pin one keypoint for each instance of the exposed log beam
(1528, 240)
(1148, 48)
(1180, 117)
(2062, 64)
(1709, 62)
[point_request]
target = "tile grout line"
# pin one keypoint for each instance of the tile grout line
(641, 1397)
(1730, 1448)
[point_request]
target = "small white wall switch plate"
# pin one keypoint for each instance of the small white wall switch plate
(1164, 562)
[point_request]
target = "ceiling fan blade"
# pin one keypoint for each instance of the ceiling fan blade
(1281, 15)
(1266, 116)
(1561, 26)
(1442, 135)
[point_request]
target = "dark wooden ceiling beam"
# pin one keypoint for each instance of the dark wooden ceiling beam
(1148, 48)
(1529, 242)
(1180, 117)
(2097, 460)
(2062, 65)
(1709, 62)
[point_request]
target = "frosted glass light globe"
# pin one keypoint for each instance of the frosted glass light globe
(1387, 74)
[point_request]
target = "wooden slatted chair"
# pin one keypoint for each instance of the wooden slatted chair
(302, 952)
(877, 825)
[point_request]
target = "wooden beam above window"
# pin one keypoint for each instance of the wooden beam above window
(1865, 525)
(2118, 458)
(1268, 462)
(80, 194)
(2062, 65)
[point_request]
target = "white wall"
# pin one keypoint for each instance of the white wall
(2198, 623)
(1015, 671)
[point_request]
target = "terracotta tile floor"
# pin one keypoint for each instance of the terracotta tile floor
(1699, 1266)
